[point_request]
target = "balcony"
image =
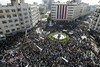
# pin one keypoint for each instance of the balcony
(95, 19)
(97, 10)
(96, 15)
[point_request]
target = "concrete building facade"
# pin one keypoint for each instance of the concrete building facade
(85, 9)
(34, 13)
(95, 21)
(48, 3)
(42, 9)
(68, 11)
(17, 17)
(78, 1)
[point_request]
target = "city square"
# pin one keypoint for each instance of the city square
(51, 34)
(40, 51)
(58, 36)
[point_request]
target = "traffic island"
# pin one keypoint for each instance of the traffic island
(59, 37)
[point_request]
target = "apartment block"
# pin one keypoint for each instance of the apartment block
(18, 17)
(68, 11)
(95, 21)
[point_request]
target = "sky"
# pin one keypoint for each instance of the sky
(91, 2)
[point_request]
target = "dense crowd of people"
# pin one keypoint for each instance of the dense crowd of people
(37, 50)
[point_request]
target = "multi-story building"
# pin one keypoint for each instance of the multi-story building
(17, 17)
(48, 3)
(92, 8)
(34, 13)
(95, 21)
(68, 11)
(42, 9)
(77, 1)
(64, 11)
(85, 9)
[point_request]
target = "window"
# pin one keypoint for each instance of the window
(96, 15)
(1, 11)
(26, 21)
(96, 28)
(21, 19)
(95, 19)
(15, 20)
(30, 20)
(0, 27)
(7, 11)
(17, 24)
(8, 16)
(13, 10)
(25, 13)
(53, 7)
(71, 7)
(18, 28)
(28, 26)
(13, 29)
(1, 32)
(98, 24)
(19, 4)
(93, 27)
(22, 23)
(20, 14)
(11, 25)
(53, 10)
(26, 17)
(4, 22)
(52, 15)
(14, 15)
(23, 27)
(2, 16)
(70, 13)
(9, 21)
(6, 26)
(70, 10)
(30, 17)
(29, 12)
(19, 9)
(24, 9)
(7, 31)
(98, 10)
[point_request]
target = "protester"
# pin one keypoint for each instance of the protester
(27, 51)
